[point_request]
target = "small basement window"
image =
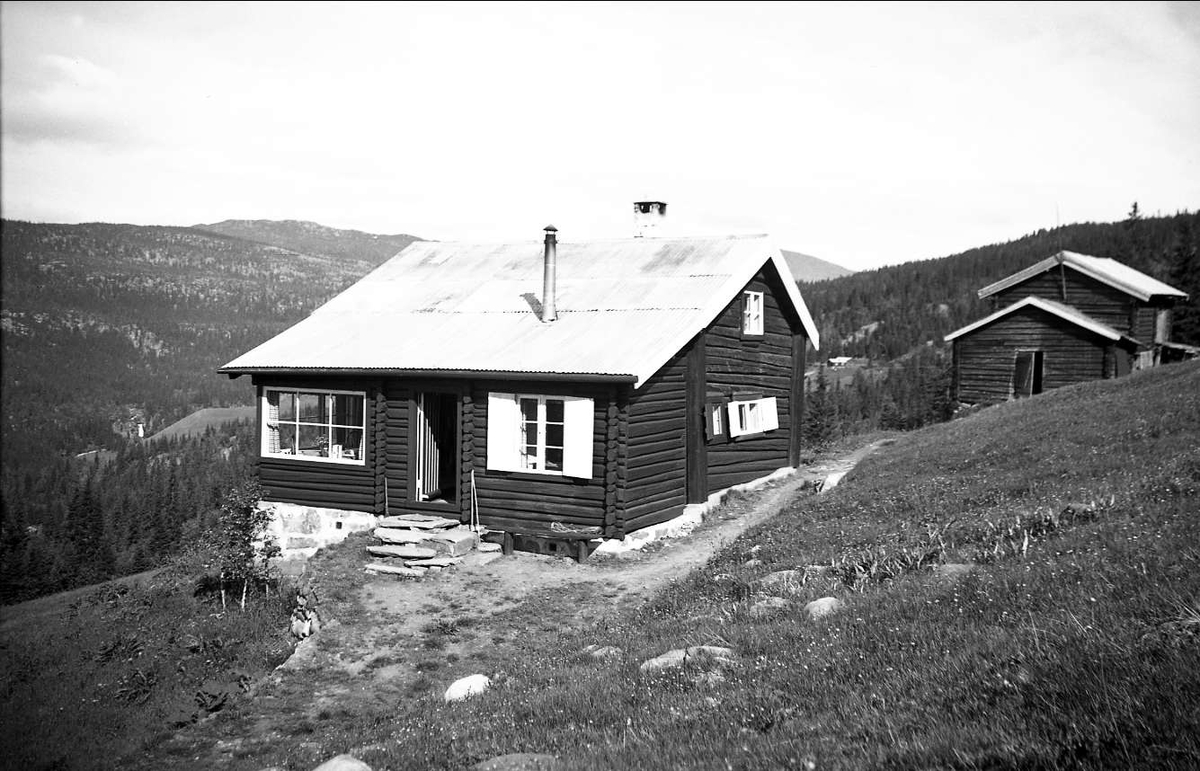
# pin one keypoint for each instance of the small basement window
(314, 425)
(752, 313)
(753, 417)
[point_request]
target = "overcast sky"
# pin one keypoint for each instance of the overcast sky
(859, 133)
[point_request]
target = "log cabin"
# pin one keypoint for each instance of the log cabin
(1066, 319)
(604, 386)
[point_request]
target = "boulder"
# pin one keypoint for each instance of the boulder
(520, 761)
(952, 571)
(343, 763)
(467, 686)
(697, 654)
(785, 582)
(826, 606)
(604, 651)
(768, 607)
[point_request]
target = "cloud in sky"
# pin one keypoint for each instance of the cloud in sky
(862, 133)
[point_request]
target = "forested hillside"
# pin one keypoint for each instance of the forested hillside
(104, 326)
(148, 313)
(311, 238)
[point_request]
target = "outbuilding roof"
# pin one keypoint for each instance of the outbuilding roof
(1103, 269)
(1065, 312)
(625, 307)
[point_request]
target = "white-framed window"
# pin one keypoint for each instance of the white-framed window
(753, 416)
(314, 425)
(752, 313)
(540, 434)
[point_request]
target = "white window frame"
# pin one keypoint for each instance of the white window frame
(505, 437)
(751, 417)
(752, 313)
(268, 423)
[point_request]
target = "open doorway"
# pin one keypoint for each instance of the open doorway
(435, 451)
(1027, 376)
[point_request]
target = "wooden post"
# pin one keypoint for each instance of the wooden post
(694, 439)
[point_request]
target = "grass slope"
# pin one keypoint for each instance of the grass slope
(1074, 643)
(203, 419)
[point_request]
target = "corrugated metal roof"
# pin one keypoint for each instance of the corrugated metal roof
(1103, 269)
(625, 307)
(1064, 312)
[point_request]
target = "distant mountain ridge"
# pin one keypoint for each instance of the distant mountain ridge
(806, 268)
(312, 238)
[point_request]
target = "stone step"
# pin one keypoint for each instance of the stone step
(403, 551)
(395, 570)
(453, 543)
(433, 562)
(396, 535)
(418, 522)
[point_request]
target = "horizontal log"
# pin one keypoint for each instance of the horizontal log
(638, 520)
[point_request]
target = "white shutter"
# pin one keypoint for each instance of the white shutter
(736, 426)
(768, 414)
(503, 427)
(578, 417)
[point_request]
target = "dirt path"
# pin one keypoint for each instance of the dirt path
(421, 635)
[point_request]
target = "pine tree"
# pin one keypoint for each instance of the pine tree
(1185, 276)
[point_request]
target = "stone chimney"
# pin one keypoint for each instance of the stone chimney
(548, 277)
(647, 217)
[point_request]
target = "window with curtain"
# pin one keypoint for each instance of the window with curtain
(325, 426)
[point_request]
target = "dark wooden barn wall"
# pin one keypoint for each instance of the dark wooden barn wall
(985, 357)
(331, 485)
(1094, 298)
(509, 499)
(760, 365)
(656, 461)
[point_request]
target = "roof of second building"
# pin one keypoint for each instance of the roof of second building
(1064, 312)
(625, 307)
(1103, 269)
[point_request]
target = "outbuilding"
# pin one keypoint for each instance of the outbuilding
(600, 386)
(1067, 319)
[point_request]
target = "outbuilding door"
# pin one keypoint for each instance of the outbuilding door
(1027, 375)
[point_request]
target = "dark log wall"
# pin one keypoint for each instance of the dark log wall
(515, 500)
(1094, 298)
(986, 357)
(331, 485)
(656, 462)
(398, 395)
(755, 364)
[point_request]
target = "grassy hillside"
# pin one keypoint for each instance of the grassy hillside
(202, 420)
(807, 268)
(1069, 637)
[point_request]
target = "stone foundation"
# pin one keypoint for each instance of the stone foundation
(301, 530)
